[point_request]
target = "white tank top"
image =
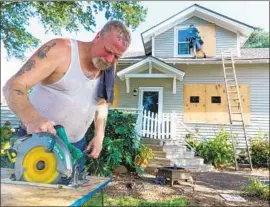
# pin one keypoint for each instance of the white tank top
(71, 101)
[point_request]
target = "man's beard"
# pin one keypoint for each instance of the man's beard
(100, 64)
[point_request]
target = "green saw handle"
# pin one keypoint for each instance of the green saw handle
(75, 152)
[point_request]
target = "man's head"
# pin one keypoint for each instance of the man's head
(110, 44)
(191, 25)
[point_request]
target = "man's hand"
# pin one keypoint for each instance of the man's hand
(40, 124)
(95, 147)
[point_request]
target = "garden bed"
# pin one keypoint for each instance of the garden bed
(128, 190)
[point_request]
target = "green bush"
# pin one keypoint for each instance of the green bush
(120, 146)
(260, 150)
(216, 151)
(5, 134)
(257, 189)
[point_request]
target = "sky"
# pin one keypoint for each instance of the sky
(254, 13)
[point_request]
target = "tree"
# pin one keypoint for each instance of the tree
(56, 16)
(258, 39)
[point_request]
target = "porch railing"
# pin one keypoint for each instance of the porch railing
(158, 125)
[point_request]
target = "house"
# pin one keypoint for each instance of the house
(166, 80)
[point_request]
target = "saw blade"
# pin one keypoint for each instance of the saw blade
(35, 164)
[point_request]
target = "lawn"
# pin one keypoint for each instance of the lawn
(130, 201)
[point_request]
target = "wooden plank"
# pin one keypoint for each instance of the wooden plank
(194, 112)
(216, 113)
(115, 96)
(208, 35)
(27, 195)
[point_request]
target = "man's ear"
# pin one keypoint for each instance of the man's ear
(97, 37)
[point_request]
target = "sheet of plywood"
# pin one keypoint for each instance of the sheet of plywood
(26, 195)
(208, 35)
(194, 112)
(216, 112)
(116, 96)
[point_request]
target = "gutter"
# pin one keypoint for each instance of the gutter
(199, 62)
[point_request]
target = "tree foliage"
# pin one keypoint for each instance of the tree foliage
(258, 39)
(56, 16)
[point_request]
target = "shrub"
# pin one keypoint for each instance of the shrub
(257, 189)
(120, 146)
(216, 151)
(260, 150)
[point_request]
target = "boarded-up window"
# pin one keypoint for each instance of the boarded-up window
(208, 35)
(213, 107)
(116, 96)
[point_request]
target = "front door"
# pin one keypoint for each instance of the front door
(151, 99)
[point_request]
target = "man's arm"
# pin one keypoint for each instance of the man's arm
(95, 145)
(39, 67)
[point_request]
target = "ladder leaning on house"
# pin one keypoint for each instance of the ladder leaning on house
(233, 95)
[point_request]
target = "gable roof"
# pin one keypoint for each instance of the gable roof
(204, 13)
(159, 64)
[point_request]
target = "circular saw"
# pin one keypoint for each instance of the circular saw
(45, 158)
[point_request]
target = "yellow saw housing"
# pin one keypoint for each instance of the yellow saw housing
(40, 166)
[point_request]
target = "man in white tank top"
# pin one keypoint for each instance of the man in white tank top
(64, 75)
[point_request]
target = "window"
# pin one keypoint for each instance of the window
(194, 99)
(215, 99)
(182, 43)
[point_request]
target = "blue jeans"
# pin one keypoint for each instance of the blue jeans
(80, 145)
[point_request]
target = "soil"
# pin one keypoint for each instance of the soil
(208, 187)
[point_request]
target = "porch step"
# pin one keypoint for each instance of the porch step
(159, 154)
(155, 147)
(173, 149)
(160, 161)
(176, 155)
(150, 141)
(187, 161)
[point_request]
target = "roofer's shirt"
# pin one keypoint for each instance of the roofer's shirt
(71, 101)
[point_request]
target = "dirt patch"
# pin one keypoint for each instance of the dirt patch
(209, 186)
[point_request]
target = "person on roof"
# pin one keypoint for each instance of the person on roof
(195, 41)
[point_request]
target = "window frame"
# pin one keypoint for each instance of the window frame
(176, 30)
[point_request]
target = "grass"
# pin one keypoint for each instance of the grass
(130, 201)
(257, 189)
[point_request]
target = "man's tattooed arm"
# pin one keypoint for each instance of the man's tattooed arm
(40, 66)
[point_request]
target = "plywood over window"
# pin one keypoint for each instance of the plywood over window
(116, 96)
(194, 111)
(208, 35)
(213, 107)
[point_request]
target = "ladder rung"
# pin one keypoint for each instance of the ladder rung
(230, 80)
(226, 68)
(236, 113)
(233, 99)
(229, 74)
(237, 120)
(232, 91)
(241, 165)
(235, 106)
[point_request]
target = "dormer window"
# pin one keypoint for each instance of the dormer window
(181, 42)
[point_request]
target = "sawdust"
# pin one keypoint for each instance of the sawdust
(209, 186)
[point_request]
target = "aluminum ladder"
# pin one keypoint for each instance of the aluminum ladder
(233, 97)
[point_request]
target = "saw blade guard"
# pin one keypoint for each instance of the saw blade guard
(34, 163)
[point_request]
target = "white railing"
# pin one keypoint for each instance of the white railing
(158, 126)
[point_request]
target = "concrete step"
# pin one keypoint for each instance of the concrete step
(155, 147)
(150, 141)
(182, 154)
(187, 161)
(173, 149)
(160, 161)
(159, 154)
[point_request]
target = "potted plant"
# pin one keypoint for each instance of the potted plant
(144, 156)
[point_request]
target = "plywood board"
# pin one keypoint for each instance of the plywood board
(116, 96)
(26, 195)
(208, 35)
(216, 112)
(194, 112)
